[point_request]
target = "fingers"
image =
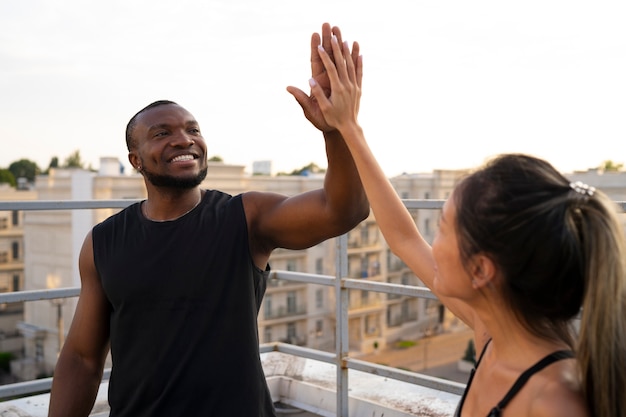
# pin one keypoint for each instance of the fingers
(349, 64)
(345, 62)
(332, 57)
(337, 33)
(318, 93)
(356, 53)
(336, 72)
(359, 70)
(316, 63)
(327, 36)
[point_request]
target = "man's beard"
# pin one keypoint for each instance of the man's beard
(170, 181)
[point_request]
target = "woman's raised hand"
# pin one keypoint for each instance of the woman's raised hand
(345, 72)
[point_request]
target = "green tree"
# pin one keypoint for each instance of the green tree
(470, 352)
(25, 168)
(74, 160)
(610, 166)
(6, 177)
(216, 158)
(311, 168)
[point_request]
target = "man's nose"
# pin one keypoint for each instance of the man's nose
(183, 139)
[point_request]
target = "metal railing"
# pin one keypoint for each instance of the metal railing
(340, 358)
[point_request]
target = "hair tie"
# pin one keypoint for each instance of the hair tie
(582, 188)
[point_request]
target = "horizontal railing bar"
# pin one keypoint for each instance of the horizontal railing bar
(413, 203)
(17, 389)
(36, 295)
(384, 287)
(437, 204)
(389, 288)
(308, 278)
(32, 387)
(300, 351)
(121, 203)
(65, 204)
(406, 376)
(356, 284)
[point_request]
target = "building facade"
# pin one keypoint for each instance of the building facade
(302, 314)
(12, 258)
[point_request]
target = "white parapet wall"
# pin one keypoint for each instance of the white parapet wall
(309, 385)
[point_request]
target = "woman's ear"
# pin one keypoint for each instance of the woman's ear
(483, 271)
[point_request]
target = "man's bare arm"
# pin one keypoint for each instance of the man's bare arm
(79, 369)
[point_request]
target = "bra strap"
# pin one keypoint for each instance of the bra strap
(523, 378)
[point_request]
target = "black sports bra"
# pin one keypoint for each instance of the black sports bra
(523, 378)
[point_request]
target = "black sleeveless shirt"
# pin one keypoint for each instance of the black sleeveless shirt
(184, 298)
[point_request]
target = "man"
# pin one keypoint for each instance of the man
(174, 284)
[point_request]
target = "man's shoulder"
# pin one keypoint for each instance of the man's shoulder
(119, 216)
(214, 198)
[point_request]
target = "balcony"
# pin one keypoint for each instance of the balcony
(318, 383)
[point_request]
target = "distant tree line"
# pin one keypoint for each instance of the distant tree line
(25, 168)
(311, 168)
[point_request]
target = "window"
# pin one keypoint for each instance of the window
(319, 298)
(405, 310)
(371, 325)
(16, 282)
(365, 233)
(405, 279)
(4, 257)
(3, 223)
(364, 267)
(267, 334)
(291, 332)
(292, 265)
(319, 328)
(291, 302)
(319, 266)
(427, 231)
(15, 250)
(15, 215)
(268, 306)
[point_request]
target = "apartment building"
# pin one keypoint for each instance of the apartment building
(12, 253)
(293, 312)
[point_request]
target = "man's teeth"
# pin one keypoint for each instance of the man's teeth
(183, 158)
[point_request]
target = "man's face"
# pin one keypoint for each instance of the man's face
(169, 147)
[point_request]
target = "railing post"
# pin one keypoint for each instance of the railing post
(341, 327)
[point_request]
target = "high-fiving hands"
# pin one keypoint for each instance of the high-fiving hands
(319, 73)
(345, 72)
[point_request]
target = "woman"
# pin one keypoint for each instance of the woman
(518, 253)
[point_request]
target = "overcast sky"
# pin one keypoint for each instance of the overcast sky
(446, 85)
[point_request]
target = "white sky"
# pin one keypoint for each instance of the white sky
(446, 84)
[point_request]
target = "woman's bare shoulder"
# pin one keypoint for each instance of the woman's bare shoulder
(559, 396)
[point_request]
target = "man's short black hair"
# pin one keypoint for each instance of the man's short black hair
(130, 143)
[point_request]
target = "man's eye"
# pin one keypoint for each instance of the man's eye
(160, 134)
(194, 130)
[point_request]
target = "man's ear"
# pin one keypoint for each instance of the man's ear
(483, 271)
(134, 160)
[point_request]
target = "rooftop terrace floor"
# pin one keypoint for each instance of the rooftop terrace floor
(304, 384)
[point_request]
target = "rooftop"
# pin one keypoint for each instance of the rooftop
(303, 381)
(304, 387)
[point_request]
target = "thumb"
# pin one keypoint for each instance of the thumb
(301, 97)
(318, 94)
